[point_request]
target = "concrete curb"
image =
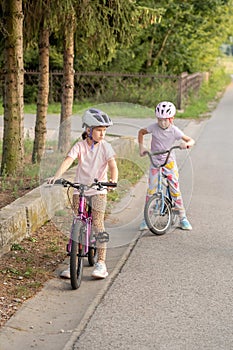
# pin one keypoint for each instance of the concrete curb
(26, 215)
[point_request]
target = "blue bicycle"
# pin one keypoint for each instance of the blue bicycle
(159, 212)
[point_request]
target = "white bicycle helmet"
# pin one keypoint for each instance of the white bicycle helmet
(95, 117)
(165, 109)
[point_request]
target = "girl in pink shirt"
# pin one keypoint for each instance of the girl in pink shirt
(95, 156)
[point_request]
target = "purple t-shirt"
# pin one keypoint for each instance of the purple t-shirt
(163, 140)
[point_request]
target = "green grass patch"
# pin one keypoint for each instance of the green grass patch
(227, 62)
(16, 246)
(114, 109)
(131, 170)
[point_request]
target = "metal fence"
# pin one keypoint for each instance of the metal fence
(102, 87)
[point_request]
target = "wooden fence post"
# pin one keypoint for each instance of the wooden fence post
(181, 89)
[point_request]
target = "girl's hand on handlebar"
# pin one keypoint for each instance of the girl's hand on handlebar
(142, 151)
(111, 189)
(184, 145)
(51, 180)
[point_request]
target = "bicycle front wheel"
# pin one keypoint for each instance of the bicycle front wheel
(76, 264)
(158, 215)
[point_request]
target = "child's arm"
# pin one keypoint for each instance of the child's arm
(141, 134)
(62, 169)
(112, 165)
(189, 142)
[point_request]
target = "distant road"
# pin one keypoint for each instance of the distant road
(122, 126)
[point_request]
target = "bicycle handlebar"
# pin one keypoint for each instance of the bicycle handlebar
(159, 153)
(100, 185)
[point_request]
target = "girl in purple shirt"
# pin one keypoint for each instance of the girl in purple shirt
(164, 134)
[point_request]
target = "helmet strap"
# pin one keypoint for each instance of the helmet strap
(91, 138)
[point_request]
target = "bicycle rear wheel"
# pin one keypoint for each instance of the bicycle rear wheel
(158, 215)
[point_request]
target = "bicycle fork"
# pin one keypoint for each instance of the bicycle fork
(75, 233)
(160, 191)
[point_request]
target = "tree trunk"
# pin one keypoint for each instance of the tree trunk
(43, 93)
(150, 53)
(13, 145)
(68, 87)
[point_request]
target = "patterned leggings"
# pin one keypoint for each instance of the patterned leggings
(98, 203)
(170, 170)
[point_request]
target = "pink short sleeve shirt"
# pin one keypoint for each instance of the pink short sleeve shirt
(92, 163)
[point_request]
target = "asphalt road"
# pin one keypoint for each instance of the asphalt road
(122, 126)
(169, 292)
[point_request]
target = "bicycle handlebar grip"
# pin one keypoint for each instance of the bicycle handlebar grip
(109, 184)
(59, 182)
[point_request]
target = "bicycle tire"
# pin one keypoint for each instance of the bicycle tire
(76, 264)
(157, 222)
(76, 255)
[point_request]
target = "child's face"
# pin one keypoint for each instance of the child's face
(164, 122)
(98, 133)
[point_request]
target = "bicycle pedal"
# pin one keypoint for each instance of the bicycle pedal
(102, 237)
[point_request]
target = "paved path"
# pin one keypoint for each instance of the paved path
(122, 126)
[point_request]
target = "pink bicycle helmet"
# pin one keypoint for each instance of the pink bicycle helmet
(165, 109)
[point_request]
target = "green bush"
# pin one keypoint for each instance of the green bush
(30, 93)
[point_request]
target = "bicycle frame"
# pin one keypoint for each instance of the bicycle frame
(160, 175)
(85, 216)
(160, 189)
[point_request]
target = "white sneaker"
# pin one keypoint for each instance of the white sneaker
(100, 270)
(65, 273)
(143, 225)
(185, 224)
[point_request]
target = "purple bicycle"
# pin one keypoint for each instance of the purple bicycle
(82, 241)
